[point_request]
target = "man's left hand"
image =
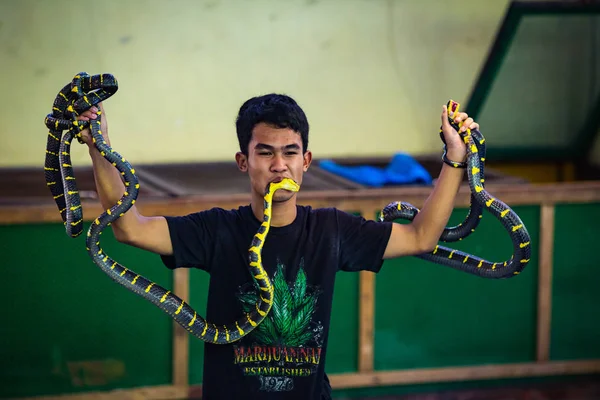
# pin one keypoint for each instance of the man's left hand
(456, 150)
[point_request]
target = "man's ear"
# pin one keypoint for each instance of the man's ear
(241, 161)
(307, 160)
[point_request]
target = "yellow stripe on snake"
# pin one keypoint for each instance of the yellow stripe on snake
(480, 200)
(79, 95)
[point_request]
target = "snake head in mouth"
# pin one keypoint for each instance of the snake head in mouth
(285, 183)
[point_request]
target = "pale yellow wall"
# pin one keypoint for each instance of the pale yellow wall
(371, 74)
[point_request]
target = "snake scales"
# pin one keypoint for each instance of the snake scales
(480, 200)
(83, 92)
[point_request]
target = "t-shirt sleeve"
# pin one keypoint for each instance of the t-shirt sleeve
(362, 242)
(193, 239)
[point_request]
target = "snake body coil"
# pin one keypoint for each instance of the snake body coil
(81, 94)
(480, 200)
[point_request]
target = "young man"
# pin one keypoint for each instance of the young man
(304, 249)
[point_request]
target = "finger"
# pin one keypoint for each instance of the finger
(89, 114)
(474, 126)
(445, 122)
(85, 133)
(85, 116)
(466, 124)
(461, 117)
(460, 121)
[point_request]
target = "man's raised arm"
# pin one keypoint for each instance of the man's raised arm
(148, 233)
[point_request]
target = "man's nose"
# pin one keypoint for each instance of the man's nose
(278, 164)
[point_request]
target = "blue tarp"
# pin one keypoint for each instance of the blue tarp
(402, 169)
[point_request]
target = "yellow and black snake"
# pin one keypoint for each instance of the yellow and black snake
(480, 200)
(80, 94)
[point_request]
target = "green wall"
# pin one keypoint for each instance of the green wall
(576, 298)
(434, 316)
(68, 328)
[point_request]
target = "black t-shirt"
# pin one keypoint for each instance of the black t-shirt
(284, 356)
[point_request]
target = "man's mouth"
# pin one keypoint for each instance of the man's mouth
(289, 186)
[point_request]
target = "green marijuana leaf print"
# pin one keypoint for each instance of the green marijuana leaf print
(288, 323)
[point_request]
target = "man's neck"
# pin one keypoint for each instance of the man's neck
(282, 214)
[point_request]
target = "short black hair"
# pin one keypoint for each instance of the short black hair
(277, 110)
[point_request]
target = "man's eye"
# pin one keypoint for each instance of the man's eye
(265, 153)
(290, 153)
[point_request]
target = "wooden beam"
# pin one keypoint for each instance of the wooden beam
(171, 188)
(457, 374)
(22, 211)
(368, 379)
(366, 311)
(544, 306)
(146, 393)
(181, 278)
(366, 322)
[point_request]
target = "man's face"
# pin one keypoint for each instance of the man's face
(274, 154)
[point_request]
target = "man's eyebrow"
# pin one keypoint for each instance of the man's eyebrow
(263, 146)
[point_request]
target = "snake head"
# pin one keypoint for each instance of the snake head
(453, 108)
(285, 183)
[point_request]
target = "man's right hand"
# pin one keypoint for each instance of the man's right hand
(90, 115)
